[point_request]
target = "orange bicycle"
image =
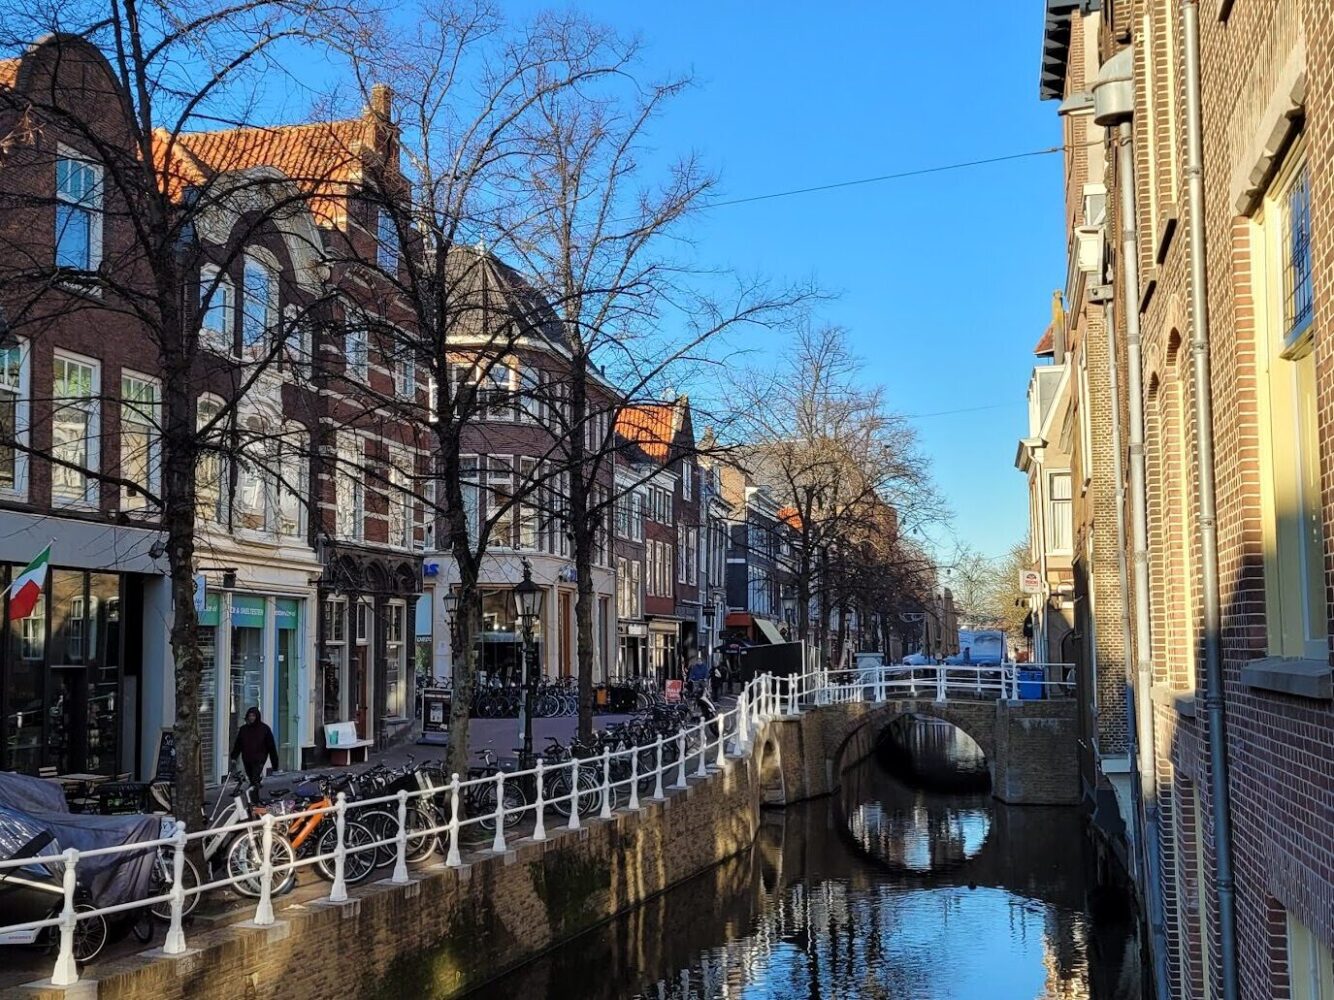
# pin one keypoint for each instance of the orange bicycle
(317, 834)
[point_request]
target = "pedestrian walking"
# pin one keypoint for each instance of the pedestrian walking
(699, 674)
(717, 675)
(254, 745)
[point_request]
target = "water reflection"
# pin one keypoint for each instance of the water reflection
(885, 890)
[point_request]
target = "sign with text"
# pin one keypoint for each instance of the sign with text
(1030, 581)
(672, 691)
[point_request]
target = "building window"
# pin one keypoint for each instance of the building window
(212, 471)
(1060, 511)
(76, 385)
(14, 374)
(1296, 613)
(217, 306)
(386, 242)
(358, 350)
(687, 479)
(78, 212)
(499, 398)
(139, 440)
(1310, 966)
(471, 487)
(259, 306)
(1298, 299)
(405, 374)
(350, 488)
(500, 503)
(335, 658)
(400, 503)
(293, 481)
(395, 660)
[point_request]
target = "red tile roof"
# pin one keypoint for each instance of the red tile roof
(791, 517)
(9, 72)
(1046, 345)
(651, 426)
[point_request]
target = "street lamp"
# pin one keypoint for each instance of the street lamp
(451, 603)
(528, 609)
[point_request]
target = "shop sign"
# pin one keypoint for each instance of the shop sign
(285, 612)
(672, 691)
(201, 593)
(1030, 581)
(634, 629)
(247, 611)
(212, 613)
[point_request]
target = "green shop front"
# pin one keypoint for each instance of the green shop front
(254, 656)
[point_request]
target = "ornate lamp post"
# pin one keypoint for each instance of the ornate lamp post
(528, 609)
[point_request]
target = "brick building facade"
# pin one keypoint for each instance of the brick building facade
(1267, 123)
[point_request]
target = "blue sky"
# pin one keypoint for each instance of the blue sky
(944, 281)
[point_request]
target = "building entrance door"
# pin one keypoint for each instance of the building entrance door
(566, 633)
(286, 675)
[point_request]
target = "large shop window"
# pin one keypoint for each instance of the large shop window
(62, 677)
(335, 659)
(662, 655)
(395, 660)
(246, 673)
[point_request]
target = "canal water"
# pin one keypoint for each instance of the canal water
(911, 883)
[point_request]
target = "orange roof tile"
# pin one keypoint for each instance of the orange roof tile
(791, 517)
(1046, 345)
(9, 72)
(651, 426)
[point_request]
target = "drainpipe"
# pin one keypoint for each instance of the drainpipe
(1114, 105)
(1204, 434)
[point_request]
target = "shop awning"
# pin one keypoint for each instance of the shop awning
(769, 630)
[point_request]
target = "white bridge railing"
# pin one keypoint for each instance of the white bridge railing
(630, 774)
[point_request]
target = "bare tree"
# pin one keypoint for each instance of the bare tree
(840, 462)
(174, 69)
(604, 238)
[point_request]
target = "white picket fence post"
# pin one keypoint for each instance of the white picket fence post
(174, 943)
(452, 858)
(722, 740)
(606, 783)
(540, 808)
(940, 682)
(400, 875)
(703, 770)
(264, 909)
(680, 760)
(498, 842)
(66, 972)
(792, 693)
(657, 781)
(338, 891)
(574, 793)
(634, 779)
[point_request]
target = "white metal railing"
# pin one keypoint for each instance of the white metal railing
(666, 762)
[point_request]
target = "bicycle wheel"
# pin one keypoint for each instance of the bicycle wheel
(90, 934)
(382, 827)
(486, 805)
(359, 861)
(245, 859)
(162, 875)
(589, 797)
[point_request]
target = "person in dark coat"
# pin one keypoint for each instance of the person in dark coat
(254, 745)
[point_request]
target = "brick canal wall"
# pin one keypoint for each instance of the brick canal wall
(452, 930)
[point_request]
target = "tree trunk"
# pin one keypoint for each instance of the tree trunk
(824, 606)
(463, 676)
(583, 617)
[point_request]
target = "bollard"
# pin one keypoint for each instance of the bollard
(540, 808)
(498, 843)
(634, 779)
(721, 720)
(66, 972)
(452, 858)
(657, 782)
(174, 944)
(742, 724)
(574, 793)
(680, 760)
(606, 783)
(264, 909)
(338, 891)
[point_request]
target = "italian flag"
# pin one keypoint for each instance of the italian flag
(26, 590)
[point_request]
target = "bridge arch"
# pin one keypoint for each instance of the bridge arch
(977, 720)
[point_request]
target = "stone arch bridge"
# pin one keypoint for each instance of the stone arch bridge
(1031, 747)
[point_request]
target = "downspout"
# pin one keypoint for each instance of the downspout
(1204, 433)
(1114, 105)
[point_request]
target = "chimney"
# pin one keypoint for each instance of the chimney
(382, 102)
(1057, 329)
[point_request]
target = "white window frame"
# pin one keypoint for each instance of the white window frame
(20, 386)
(258, 261)
(152, 419)
(96, 210)
(217, 291)
(386, 242)
(399, 488)
(350, 488)
(687, 480)
(292, 443)
(92, 449)
(357, 347)
(1062, 516)
(220, 515)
